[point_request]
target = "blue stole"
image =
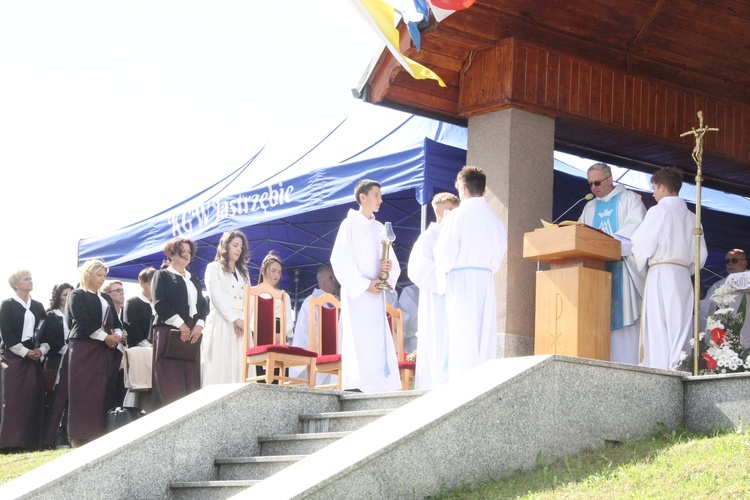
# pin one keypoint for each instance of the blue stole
(605, 218)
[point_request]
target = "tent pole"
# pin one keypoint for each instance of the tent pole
(423, 225)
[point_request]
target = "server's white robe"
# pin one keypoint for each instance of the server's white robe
(368, 355)
(469, 250)
(665, 242)
(623, 342)
(431, 342)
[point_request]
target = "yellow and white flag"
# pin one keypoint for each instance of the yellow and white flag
(381, 16)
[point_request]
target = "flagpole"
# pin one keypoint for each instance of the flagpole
(697, 231)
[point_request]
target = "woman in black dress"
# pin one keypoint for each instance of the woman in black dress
(95, 331)
(55, 334)
(21, 322)
(179, 305)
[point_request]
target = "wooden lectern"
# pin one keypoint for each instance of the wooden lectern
(573, 298)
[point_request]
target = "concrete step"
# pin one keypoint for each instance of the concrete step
(207, 490)
(252, 468)
(339, 421)
(353, 401)
(297, 444)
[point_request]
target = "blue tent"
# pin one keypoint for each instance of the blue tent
(293, 201)
(291, 198)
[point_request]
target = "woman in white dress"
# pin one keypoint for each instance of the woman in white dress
(225, 280)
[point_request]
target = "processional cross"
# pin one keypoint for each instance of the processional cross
(698, 231)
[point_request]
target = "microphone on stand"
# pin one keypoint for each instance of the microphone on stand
(588, 197)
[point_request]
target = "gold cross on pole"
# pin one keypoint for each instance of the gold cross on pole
(698, 231)
(698, 149)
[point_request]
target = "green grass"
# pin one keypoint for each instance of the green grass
(13, 465)
(674, 464)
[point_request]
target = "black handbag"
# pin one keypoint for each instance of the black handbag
(122, 415)
(184, 351)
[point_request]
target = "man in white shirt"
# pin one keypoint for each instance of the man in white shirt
(736, 262)
(618, 212)
(665, 242)
(468, 252)
(327, 283)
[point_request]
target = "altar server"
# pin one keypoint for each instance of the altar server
(431, 342)
(471, 245)
(665, 242)
(368, 355)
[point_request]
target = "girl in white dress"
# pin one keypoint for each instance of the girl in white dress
(225, 280)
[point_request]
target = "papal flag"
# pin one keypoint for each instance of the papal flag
(381, 16)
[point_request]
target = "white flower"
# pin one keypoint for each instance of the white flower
(724, 296)
(691, 341)
(726, 310)
(712, 323)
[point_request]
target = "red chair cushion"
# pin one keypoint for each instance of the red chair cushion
(281, 349)
(328, 358)
(407, 364)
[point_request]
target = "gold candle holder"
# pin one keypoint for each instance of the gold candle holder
(383, 275)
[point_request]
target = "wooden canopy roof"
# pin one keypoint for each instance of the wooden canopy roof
(621, 78)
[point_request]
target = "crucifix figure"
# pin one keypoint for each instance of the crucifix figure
(699, 133)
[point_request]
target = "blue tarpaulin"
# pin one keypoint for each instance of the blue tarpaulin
(293, 202)
(291, 198)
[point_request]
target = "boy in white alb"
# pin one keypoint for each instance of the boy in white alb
(368, 355)
(468, 252)
(665, 241)
(431, 371)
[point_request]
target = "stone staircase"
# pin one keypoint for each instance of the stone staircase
(232, 475)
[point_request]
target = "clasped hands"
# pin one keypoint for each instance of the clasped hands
(192, 336)
(113, 339)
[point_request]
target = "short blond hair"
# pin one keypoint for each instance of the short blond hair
(15, 278)
(88, 269)
(445, 198)
(107, 286)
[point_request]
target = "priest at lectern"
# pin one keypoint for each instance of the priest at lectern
(618, 212)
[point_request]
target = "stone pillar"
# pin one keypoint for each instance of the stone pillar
(515, 149)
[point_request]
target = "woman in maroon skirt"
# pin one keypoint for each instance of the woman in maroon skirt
(21, 320)
(95, 330)
(179, 305)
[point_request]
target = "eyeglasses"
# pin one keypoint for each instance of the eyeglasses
(733, 260)
(118, 290)
(599, 182)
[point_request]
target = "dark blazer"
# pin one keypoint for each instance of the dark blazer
(11, 321)
(138, 319)
(84, 314)
(54, 333)
(170, 297)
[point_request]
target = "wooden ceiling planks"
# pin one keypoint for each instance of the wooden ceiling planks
(661, 59)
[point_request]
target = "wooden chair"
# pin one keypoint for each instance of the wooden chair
(269, 350)
(324, 323)
(406, 369)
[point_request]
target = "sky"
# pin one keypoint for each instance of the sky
(112, 111)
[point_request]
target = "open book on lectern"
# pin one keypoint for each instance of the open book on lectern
(560, 224)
